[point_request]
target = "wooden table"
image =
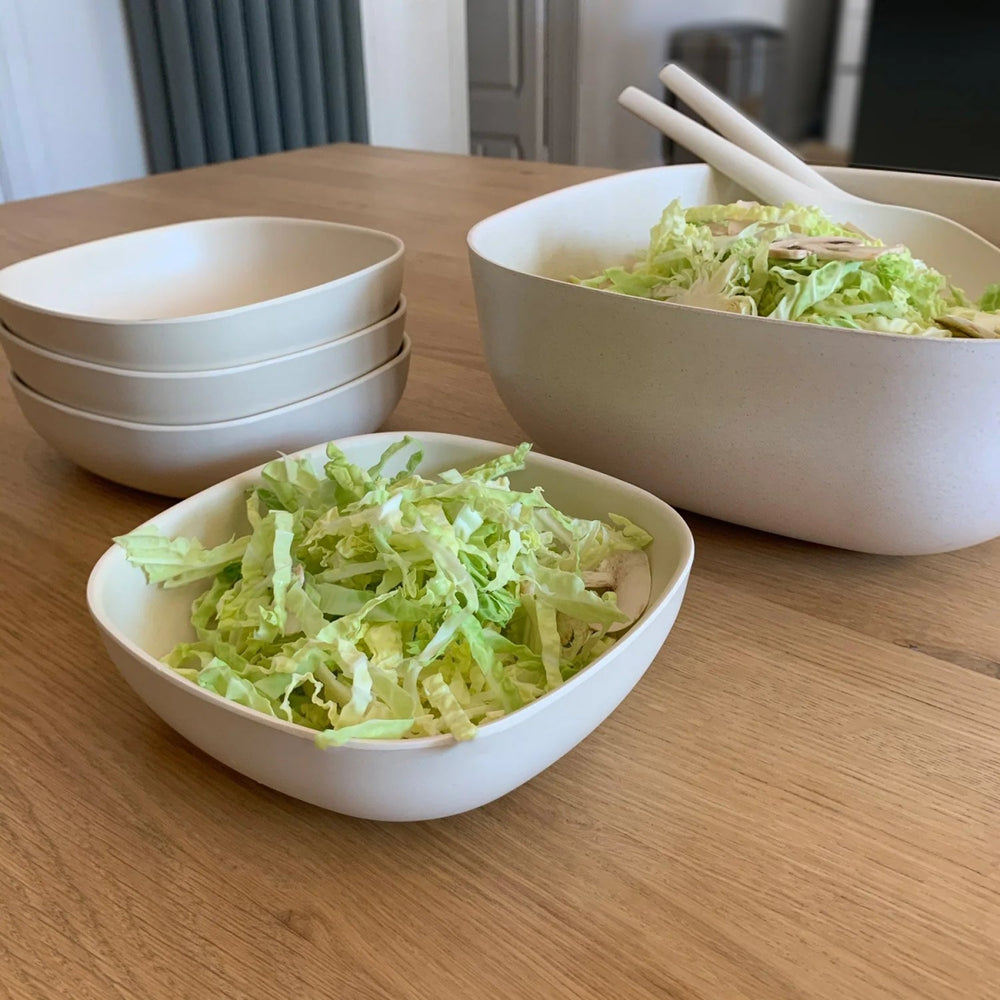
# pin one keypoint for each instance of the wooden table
(800, 800)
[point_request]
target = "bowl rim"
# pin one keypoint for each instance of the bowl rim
(474, 235)
(144, 375)
(20, 387)
(397, 245)
(676, 581)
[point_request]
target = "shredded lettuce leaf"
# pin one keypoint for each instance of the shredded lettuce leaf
(989, 301)
(365, 605)
(717, 257)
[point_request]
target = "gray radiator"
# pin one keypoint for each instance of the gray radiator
(224, 79)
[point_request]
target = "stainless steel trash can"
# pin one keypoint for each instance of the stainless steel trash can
(743, 61)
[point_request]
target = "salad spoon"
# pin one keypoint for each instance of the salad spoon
(731, 123)
(970, 261)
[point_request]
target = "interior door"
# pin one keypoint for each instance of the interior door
(506, 77)
(522, 78)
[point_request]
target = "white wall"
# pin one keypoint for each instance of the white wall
(625, 43)
(849, 57)
(69, 108)
(416, 76)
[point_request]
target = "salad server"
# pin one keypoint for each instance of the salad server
(971, 261)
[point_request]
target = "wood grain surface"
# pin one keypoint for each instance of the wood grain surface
(801, 800)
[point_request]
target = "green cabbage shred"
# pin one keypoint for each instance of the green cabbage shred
(692, 261)
(364, 605)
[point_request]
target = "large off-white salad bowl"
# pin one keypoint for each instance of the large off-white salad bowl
(410, 779)
(875, 442)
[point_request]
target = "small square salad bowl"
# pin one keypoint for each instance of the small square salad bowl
(414, 778)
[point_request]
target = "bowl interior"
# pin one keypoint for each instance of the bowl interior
(582, 229)
(150, 620)
(550, 236)
(193, 268)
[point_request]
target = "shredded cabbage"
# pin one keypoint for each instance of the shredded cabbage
(718, 257)
(364, 605)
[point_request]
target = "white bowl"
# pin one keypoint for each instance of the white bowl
(875, 442)
(177, 461)
(204, 294)
(411, 779)
(206, 396)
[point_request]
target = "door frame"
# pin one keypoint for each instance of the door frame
(561, 102)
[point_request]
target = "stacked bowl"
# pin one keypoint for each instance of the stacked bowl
(168, 359)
